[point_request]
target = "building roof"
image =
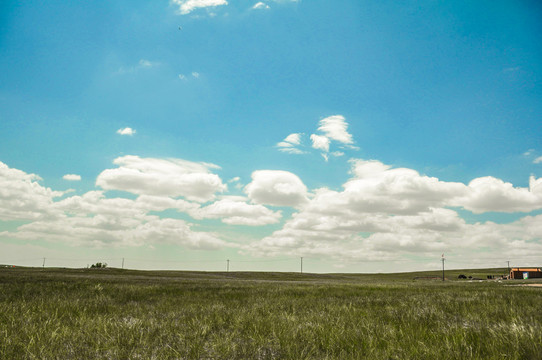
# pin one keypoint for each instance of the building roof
(525, 269)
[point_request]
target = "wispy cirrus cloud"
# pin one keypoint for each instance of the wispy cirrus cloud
(331, 130)
(335, 128)
(261, 5)
(142, 64)
(320, 142)
(291, 144)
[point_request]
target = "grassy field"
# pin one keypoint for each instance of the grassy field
(124, 314)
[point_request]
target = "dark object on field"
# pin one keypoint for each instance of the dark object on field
(490, 277)
(98, 266)
(470, 277)
(525, 273)
(462, 276)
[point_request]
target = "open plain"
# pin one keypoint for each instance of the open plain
(127, 314)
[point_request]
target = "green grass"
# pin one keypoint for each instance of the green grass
(121, 314)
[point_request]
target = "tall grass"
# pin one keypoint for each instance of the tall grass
(137, 315)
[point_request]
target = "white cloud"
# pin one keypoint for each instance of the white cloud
(236, 181)
(380, 213)
(528, 152)
(100, 230)
(491, 194)
(384, 213)
(538, 160)
(294, 139)
(187, 6)
(146, 63)
(72, 177)
(237, 212)
(320, 142)
(182, 76)
(260, 5)
(332, 128)
(126, 131)
(160, 177)
(277, 188)
(195, 74)
(512, 69)
(94, 220)
(22, 197)
(291, 150)
(335, 128)
(290, 144)
(142, 64)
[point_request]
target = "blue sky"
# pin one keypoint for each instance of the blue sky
(361, 135)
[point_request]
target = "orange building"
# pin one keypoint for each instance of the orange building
(525, 273)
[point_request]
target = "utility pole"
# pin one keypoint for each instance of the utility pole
(123, 263)
(43, 265)
(443, 267)
(302, 264)
(228, 265)
(508, 267)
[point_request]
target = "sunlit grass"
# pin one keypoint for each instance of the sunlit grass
(101, 314)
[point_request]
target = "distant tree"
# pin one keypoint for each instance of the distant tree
(98, 265)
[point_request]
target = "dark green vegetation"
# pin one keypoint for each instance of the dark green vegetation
(122, 314)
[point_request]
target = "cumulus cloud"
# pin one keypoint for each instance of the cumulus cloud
(195, 74)
(260, 5)
(380, 213)
(126, 131)
(384, 211)
(162, 177)
(187, 6)
(101, 230)
(72, 177)
(538, 160)
(491, 194)
(94, 220)
(277, 188)
(238, 212)
(22, 197)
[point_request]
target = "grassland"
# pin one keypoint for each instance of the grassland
(122, 314)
